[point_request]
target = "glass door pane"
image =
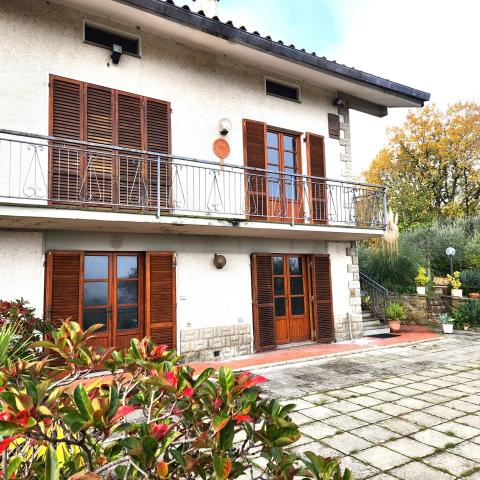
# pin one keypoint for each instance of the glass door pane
(95, 292)
(127, 292)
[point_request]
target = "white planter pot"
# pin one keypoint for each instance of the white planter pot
(447, 327)
(421, 290)
(456, 292)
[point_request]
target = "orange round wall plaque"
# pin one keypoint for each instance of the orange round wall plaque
(221, 148)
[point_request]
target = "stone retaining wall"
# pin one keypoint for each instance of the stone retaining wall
(423, 310)
(215, 342)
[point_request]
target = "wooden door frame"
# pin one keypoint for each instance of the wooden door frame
(308, 294)
(292, 206)
(111, 333)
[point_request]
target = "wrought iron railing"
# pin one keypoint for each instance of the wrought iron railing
(374, 296)
(59, 172)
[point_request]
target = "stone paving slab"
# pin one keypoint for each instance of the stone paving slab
(412, 413)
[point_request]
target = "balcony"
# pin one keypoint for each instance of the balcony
(66, 175)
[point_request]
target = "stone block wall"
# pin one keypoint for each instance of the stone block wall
(351, 325)
(211, 343)
(416, 306)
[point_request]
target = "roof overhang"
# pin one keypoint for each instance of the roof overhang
(366, 92)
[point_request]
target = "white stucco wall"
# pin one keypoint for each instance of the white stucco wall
(39, 38)
(22, 267)
(206, 296)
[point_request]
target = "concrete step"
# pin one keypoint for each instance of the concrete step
(376, 331)
(373, 323)
(366, 314)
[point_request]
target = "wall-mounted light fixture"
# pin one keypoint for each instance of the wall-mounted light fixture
(219, 261)
(224, 126)
(339, 102)
(117, 51)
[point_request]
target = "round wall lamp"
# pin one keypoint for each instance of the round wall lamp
(219, 261)
(224, 126)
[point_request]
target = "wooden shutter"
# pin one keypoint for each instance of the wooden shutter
(66, 121)
(129, 135)
(161, 298)
(157, 120)
(62, 292)
(99, 163)
(322, 298)
(318, 187)
(263, 305)
(255, 153)
(334, 126)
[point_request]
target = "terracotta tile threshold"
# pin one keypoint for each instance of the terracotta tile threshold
(409, 334)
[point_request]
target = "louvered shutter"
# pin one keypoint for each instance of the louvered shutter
(66, 122)
(63, 286)
(254, 140)
(161, 298)
(333, 126)
(318, 188)
(99, 163)
(157, 128)
(322, 298)
(129, 135)
(263, 305)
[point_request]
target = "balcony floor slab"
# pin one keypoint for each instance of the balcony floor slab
(27, 217)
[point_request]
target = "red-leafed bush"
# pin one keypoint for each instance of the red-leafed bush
(147, 418)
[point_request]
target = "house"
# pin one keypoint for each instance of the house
(165, 173)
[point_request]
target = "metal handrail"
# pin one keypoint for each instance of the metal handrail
(378, 295)
(103, 146)
(46, 170)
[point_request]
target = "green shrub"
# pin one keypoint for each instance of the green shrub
(472, 253)
(395, 272)
(468, 312)
(470, 281)
(149, 418)
(396, 311)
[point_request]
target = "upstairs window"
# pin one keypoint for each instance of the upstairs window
(104, 37)
(282, 90)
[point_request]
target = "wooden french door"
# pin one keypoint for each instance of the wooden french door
(283, 164)
(112, 294)
(290, 292)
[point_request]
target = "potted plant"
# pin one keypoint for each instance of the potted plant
(456, 284)
(447, 322)
(396, 313)
(421, 280)
(475, 295)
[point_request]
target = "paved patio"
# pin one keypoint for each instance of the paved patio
(406, 412)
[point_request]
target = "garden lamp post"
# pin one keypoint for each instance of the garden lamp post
(450, 251)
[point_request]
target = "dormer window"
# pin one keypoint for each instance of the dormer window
(282, 90)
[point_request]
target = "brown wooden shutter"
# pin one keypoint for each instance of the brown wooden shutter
(99, 163)
(158, 140)
(334, 126)
(322, 298)
(255, 153)
(161, 298)
(66, 121)
(129, 135)
(263, 305)
(318, 188)
(62, 292)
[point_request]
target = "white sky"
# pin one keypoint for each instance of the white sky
(431, 45)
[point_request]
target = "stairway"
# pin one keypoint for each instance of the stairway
(373, 325)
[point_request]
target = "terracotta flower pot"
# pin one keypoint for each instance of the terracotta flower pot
(394, 325)
(475, 296)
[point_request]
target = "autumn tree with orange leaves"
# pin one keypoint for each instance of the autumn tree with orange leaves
(431, 165)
